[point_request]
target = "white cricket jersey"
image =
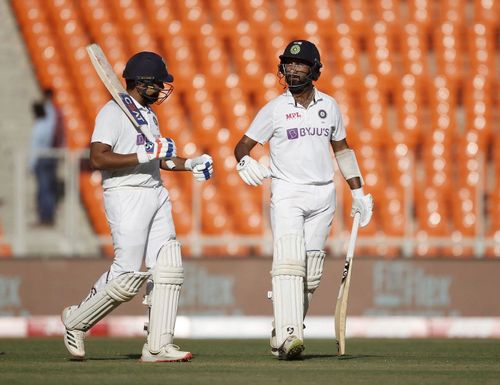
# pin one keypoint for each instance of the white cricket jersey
(112, 127)
(299, 138)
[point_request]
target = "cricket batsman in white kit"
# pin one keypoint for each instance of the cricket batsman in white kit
(300, 125)
(138, 210)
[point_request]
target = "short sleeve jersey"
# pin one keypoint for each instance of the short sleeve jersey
(299, 138)
(112, 127)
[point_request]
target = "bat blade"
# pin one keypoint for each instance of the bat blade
(343, 296)
(115, 88)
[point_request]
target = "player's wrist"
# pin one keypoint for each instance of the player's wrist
(142, 157)
(188, 164)
(357, 193)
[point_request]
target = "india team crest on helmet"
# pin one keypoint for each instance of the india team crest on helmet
(295, 49)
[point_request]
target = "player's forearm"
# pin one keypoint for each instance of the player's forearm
(174, 164)
(112, 161)
(243, 148)
(354, 183)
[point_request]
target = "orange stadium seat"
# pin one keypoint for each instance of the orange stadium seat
(374, 108)
(487, 12)
(204, 111)
(388, 11)
(179, 54)
(247, 55)
(74, 39)
(193, 14)
(105, 32)
(381, 54)
(346, 56)
(52, 70)
(291, 13)
(414, 51)
(408, 102)
(448, 50)
(134, 25)
(420, 13)
(225, 15)
(452, 11)
(357, 16)
(324, 14)
(214, 61)
(258, 14)
(160, 14)
(481, 43)
(236, 108)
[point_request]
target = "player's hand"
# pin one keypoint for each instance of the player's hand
(159, 149)
(201, 167)
(364, 205)
(251, 171)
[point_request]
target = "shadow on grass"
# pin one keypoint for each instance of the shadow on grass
(342, 358)
(130, 356)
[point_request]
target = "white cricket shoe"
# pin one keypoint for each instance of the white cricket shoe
(291, 349)
(168, 353)
(73, 339)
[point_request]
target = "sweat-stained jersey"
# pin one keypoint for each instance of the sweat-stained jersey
(299, 138)
(112, 127)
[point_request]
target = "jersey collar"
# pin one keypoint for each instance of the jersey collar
(316, 97)
(140, 106)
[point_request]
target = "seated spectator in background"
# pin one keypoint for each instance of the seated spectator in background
(43, 165)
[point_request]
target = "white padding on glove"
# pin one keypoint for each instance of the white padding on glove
(201, 167)
(161, 148)
(363, 204)
(251, 171)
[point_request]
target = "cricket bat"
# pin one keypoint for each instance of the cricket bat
(115, 88)
(341, 306)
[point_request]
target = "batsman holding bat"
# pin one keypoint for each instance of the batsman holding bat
(300, 125)
(138, 210)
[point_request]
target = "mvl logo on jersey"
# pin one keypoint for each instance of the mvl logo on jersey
(129, 103)
(293, 115)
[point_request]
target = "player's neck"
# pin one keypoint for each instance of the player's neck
(137, 96)
(304, 97)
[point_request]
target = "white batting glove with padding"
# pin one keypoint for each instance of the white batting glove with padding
(159, 149)
(201, 167)
(251, 171)
(363, 204)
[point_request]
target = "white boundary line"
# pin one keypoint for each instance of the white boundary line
(260, 327)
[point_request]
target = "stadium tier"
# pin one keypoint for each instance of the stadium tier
(417, 82)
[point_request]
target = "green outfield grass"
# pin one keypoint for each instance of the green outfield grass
(370, 361)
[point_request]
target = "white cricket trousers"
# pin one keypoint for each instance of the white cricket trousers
(305, 210)
(140, 220)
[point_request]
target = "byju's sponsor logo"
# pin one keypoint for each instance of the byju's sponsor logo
(292, 133)
(141, 139)
(295, 133)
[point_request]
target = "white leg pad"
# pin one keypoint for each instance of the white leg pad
(120, 289)
(314, 271)
(168, 276)
(288, 286)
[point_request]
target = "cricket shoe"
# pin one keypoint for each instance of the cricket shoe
(168, 353)
(73, 339)
(275, 351)
(291, 349)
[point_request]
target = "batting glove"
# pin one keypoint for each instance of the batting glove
(251, 171)
(159, 149)
(362, 204)
(201, 167)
